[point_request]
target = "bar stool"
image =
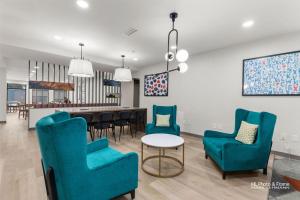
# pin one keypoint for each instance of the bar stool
(124, 120)
(138, 120)
(105, 122)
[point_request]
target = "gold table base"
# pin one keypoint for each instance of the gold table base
(160, 156)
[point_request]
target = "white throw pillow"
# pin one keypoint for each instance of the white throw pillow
(247, 133)
(163, 120)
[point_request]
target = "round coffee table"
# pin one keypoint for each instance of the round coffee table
(162, 142)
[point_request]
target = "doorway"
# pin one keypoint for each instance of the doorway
(136, 92)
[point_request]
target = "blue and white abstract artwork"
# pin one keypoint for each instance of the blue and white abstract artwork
(276, 75)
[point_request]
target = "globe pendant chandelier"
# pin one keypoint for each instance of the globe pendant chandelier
(173, 52)
(80, 67)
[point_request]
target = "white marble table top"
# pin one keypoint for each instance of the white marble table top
(162, 140)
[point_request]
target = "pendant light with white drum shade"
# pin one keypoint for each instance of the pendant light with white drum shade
(80, 67)
(123, 74)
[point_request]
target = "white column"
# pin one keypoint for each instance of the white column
(3, 91)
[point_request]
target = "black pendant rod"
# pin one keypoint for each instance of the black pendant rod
(173, 16)
(81, 45)
(123, 56)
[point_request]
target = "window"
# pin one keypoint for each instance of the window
(58, 95)
(16, 93)
(40, 96)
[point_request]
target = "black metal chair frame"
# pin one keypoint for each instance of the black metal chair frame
(105, 121)
(138, 120)
(122, 121)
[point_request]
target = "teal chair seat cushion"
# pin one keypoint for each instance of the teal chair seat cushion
(99, 158)
(214, 145)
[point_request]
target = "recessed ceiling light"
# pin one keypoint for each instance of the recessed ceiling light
(57, 37)
(248, 24)
(173, 47)
(82, 4)
(33, 71)
(135, 59)
(36, 67)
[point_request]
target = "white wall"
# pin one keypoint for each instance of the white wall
(127, 94)
(3, 93)
(208, 94)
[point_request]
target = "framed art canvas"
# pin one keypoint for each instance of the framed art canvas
(51, 85)
(156, 84)
(274, 75)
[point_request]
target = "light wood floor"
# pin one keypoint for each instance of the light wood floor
(21, 177)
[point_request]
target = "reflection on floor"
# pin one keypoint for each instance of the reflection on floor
(285, 182)
(21, 177)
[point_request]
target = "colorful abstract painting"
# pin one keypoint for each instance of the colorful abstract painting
(275, 75)
(156, 84)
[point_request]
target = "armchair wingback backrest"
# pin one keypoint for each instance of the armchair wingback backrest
(266, 129)
(63, 147)
(265, 121)
(165, 110)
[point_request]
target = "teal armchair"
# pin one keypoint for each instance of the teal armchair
(75, 170)
(164, 110)
(231, 155)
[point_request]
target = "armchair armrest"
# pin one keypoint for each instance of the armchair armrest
(97, 145)
(149, 127)
(217, 134)
(119, 175)
(176, 128)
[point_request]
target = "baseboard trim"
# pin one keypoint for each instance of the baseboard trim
(2, 122)
(192, 134)
(277, 153)
(31, 129)
(287, 155)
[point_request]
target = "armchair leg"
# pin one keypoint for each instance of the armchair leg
(265, 171)
(206, 156)
(224, 176)
(132, 194)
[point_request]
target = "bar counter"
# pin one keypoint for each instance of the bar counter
(77, 110)
(37, 113)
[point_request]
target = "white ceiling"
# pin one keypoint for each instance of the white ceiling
(203, 25)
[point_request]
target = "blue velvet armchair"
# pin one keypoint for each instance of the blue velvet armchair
(75, 170)
(164, 110)
(232, 155)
